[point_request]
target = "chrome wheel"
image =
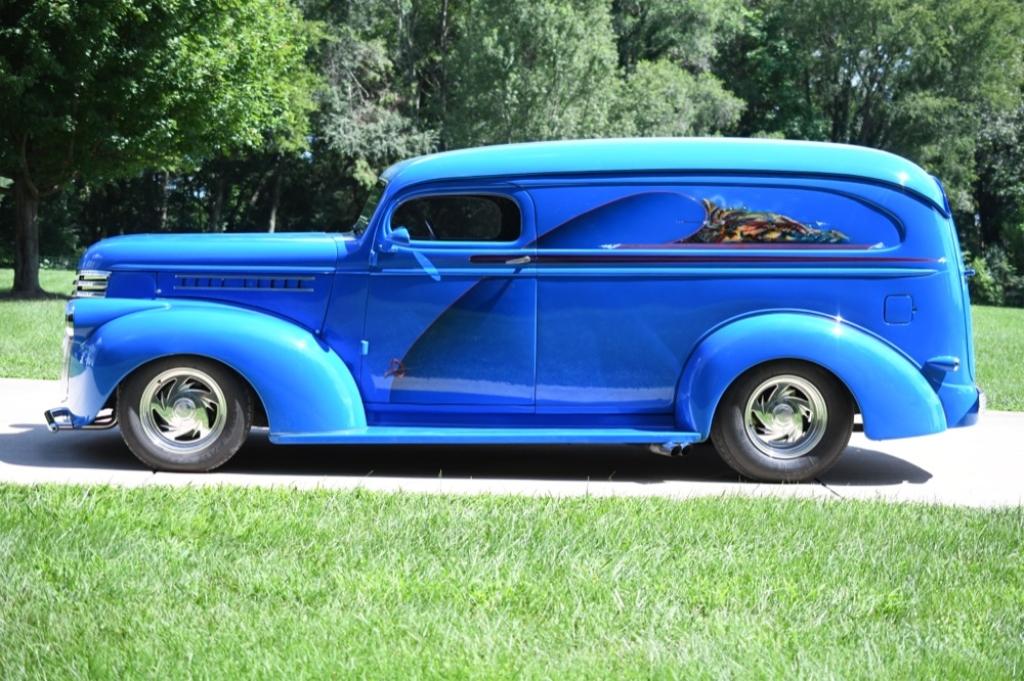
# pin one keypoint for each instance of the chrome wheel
(182, 411)
(785, 417)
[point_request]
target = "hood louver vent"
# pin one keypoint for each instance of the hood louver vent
(238, 282)
(90, 284)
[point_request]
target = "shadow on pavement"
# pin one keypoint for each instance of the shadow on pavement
(104, 450)
(34, 445)
(866, 467)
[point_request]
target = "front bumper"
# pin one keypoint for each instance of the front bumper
(61, 418)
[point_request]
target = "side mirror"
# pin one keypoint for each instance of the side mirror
(399, 236)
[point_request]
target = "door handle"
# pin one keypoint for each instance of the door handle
(521, 260)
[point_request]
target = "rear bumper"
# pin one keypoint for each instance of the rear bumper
(963, 404)
(974, 413)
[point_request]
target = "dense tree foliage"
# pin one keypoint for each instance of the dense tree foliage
(202, 127)
(914, 77)
(937, 81)
(102, 90)
(530, 71)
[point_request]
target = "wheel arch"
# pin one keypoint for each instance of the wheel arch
(781, 360)
(885, 385)
(260, 417)
(302, 385)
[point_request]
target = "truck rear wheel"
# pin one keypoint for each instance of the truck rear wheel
(783, 422)
(184, 414)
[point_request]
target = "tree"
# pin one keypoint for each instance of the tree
(666, 49)
(530, 71)
(687, 33)
(102, 90)
(912, 76)
(661, 99)
(999, 189)
(360, 118)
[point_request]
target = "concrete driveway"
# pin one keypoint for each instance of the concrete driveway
(979, 466)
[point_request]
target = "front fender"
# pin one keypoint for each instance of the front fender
(305, 387)
(894, 397)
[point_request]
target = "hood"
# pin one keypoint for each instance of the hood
(304, 251)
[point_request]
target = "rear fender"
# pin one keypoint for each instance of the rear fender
(894, 397)
(304, 386)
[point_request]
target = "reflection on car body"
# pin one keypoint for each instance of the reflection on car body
(757, 293)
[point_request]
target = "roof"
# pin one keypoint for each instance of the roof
(711, 154)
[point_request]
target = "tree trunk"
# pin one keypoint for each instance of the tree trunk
(218, 205)
(165, 185)
(26, 238)
(275, 200)
(443, 44)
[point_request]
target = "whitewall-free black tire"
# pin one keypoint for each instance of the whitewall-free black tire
(184, 413)
(785, 421)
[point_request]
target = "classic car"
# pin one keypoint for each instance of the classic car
(760, 294)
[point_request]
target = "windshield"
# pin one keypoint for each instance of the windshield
(363, 221)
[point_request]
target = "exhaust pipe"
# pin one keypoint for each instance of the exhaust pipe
(670, 449)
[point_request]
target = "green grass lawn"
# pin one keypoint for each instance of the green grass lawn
(30, 336)
(999, 351)
(31, 330)
(238, 583)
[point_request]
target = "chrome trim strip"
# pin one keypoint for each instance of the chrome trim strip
(240, 275)
(269, 289)
(187, 269)
(672, 272)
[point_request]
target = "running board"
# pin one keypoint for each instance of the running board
(432, 435)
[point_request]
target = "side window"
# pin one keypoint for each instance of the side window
(468, 217)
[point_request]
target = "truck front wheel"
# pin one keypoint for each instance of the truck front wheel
(184, 414)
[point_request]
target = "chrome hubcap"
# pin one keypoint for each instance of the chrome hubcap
(785, 417)
(182, 411)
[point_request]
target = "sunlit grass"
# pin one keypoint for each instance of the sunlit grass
(242, 583)
(999, 348)
(31, 330)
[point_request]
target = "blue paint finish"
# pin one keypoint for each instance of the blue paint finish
(741, 156)
(899, 309)
(299, 298)
(612, 214)
(303, 384)
(893, 396)
(961, 404)
(569, 219)
(452, 332)
(380, 435)
(296, 252)
(603, 322)
(944, 363)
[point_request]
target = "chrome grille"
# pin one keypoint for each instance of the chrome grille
(90, 284)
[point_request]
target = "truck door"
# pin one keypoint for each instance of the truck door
(451, 313)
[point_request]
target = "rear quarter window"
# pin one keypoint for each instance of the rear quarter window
(709, 215)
